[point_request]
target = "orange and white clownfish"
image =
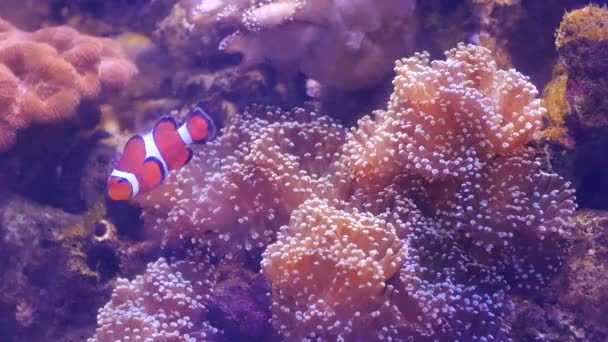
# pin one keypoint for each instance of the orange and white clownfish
(146, 159)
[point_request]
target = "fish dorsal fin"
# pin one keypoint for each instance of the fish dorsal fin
(153, 173)
(165, 122)
(201, 126)
(133, 155)
(166, 127)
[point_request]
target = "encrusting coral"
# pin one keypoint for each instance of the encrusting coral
(582, 44)
(45, 74)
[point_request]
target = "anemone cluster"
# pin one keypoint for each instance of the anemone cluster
(241, 188)
(420, 223)
(166, 303)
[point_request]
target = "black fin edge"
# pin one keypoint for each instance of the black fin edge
(191, 154)
(166, 118)
(211, 124)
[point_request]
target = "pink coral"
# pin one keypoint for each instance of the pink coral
(445, 117)
(45, 74)
(420, 224)
(346, 274)
(444, 170)
(241, 188)
(167, 302)
(329, 270)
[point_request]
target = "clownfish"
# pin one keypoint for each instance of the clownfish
(146, 159)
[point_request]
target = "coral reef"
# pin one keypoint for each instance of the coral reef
(46, 282)
(446, 215)
(45, 74)
(445, 118)
(167, 302)
(574, 306)
(582, 44)
(239, 189)
(494, 224)
(348, 45)
(345, 45)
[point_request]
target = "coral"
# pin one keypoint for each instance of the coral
(582, 44)
(347, 45)
(48, 288)
(167, 302)
(504, 26)
(448, 216)
(328, 271)
(584, 279)
(239, 189)
(554, 99)
(585, 24)
(445, 117)
(573, 307)
(513, 208)
(45, 74)
(346, 274)
(199, 23)
(579, 93)
(240, 305)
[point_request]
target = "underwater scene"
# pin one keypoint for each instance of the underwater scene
(303, 170)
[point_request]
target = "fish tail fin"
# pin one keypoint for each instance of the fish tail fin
(201, 126)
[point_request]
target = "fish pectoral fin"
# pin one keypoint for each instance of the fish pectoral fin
(153, 173)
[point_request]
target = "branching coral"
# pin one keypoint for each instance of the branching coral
(445, 117)
(241, 188)
(343, 44)
(45, 74)
(167, 302)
